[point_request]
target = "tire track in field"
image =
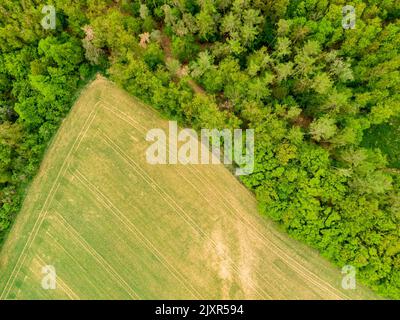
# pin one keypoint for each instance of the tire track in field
(60, 283)
(43, 211)
(280, 252)
(103, 199)
(171, 202)
(65, 288)
(94, 254)
(308, 275)
(126, 100)
(174, 205)
(226, 211)
(22, 257)
(142, 238)
(133, 124)
(57, 243)
(123, 114)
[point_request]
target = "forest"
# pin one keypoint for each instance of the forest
(321, 98)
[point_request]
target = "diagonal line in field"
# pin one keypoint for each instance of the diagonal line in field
(127, 99)
(178, 209)
(43, 212)
(216, 209)
(191, 223)
(67, 290)
(269, 244)
(94, 254)
(57, 243)
(64, 287)
(142, 238)
(307, 274)
(123, 115)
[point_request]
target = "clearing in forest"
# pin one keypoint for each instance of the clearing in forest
(115, 227)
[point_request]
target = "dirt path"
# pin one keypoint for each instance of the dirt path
(166, 46)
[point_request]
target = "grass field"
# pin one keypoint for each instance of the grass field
(116, 227)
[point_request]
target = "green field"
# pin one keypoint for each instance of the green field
(116, 227)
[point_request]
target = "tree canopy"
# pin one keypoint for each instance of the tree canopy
(317, 95)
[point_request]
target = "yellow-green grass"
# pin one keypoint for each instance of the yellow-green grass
(116, 227)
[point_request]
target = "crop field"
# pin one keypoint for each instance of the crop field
(115, 227)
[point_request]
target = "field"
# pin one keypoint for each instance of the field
(116, 227)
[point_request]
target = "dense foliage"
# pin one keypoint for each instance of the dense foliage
(40, 72)
(311, 89)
